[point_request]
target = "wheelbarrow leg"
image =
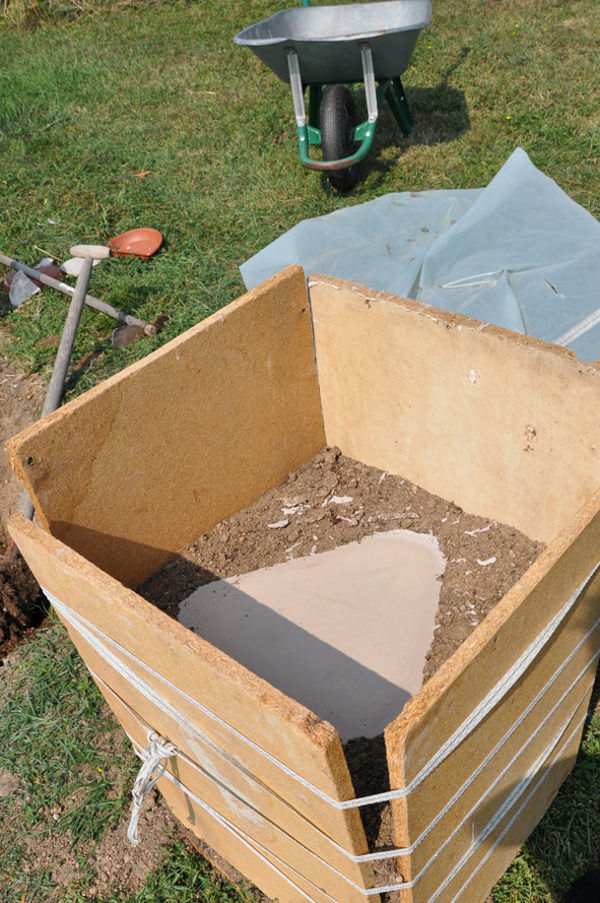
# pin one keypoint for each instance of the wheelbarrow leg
(396, 98)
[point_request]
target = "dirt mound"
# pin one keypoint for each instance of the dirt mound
(21, 601)
(23, 606)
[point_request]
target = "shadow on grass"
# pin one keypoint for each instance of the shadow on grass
(439, 114)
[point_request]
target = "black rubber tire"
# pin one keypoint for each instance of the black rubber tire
(337, 122)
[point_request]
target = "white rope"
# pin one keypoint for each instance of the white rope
(395, 853)
(155, 757)
(517, 792)
(158, 750)
(98, 640)
(486, 761)
(516, 815)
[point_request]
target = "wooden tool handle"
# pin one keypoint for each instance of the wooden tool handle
(98, 252)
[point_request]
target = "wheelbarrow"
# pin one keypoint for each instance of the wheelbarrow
(327, 47)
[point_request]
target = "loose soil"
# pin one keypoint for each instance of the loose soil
(113, 862)
(22, 606)
(334, 500)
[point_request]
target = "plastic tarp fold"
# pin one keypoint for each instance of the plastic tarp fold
(518, 253)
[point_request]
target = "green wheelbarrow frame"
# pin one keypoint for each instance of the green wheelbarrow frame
(309, 132)
(375, 46)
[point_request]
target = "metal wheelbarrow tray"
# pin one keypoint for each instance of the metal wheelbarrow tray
(332, 45)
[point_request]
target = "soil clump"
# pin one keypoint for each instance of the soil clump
(22, 606)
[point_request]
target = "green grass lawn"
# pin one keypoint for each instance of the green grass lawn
(148, 114)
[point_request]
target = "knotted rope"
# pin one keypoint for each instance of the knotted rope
(155, 757)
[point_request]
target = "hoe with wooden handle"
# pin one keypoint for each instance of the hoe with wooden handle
(132, 329)
(63, 356)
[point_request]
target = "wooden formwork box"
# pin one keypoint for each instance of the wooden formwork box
(504, 425)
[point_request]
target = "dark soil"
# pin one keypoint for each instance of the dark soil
(23, 606)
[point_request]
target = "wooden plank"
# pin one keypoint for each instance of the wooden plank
(451, 774)
(461, 408)
(150, 459)
(281, 726)
(473, 882)
(227, 870)
(246, 859)
(432, 716)
(275, 827)
(434, 862)
(233, 791)
(429, 799)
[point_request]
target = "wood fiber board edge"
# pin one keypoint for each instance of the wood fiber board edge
(515, 725)
(244, 857)
(473, 883)
(445, 701)
(147, 461)
(255, 808)
(461, 408)
(226, 869)
(451, 318)
(229, 804)
(280, 725)
(445, 850)
(431, 716)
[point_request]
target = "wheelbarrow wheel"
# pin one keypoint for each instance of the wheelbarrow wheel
(338, 119)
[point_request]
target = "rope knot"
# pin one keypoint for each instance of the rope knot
(155, 755)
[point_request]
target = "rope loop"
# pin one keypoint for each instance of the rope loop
(155, 756)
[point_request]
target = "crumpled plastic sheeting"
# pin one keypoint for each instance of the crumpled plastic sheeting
(518, 253)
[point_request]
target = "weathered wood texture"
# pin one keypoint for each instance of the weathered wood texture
(471, 412)
(504, 425)
(264, 801)
(155, 456)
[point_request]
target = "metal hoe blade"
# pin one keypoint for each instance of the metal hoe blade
(96, 303)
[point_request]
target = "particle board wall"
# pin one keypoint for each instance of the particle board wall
(146, 462)
(262, 799)
(468, 411)
(504, 425)
(532, 729)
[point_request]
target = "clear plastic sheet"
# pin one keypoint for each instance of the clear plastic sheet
(518, 253)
